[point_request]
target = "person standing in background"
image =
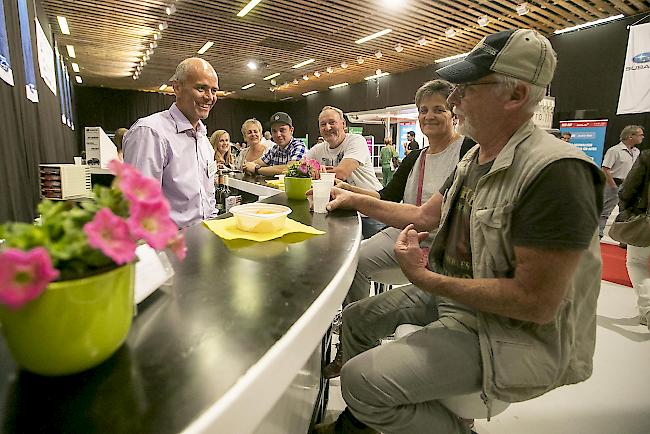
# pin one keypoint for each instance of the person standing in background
(616, 165)
(566, 137)
(267, 140)
(172, 146)
(387, 155)
(633, 200)
(118, 137)
(411, 144)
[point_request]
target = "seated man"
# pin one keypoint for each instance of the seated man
(275, 159)
(508, 300)
(345, 154)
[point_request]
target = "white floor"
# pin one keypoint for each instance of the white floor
(615, 400)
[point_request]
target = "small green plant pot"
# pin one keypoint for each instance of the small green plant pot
(296, 187)
(74, 325)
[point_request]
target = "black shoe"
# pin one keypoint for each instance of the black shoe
(333, 370)
(345, 424)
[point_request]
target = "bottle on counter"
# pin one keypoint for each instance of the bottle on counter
(231, 199)
(221, 192)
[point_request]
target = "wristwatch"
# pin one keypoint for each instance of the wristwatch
(257, 169)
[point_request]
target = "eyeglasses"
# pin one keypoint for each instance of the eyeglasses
(460, 88)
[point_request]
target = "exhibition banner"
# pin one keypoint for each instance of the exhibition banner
(28, 57)
(402, 130)
(45, 58)
(635, 84)
(59, 81)
(6, 74)
(588, 136)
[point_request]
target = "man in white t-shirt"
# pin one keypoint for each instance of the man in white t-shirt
(344, 153)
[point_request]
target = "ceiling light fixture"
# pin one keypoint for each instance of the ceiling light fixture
(310, 93)
(383, 74)
(399, 48)
(450, 33)
(170, 9)
(373, 36)
(251, 4)
(522, 9)
(377, 71)
(205, 47)
(344, 65)
(71, 52)
(63, 24)
(454, 57)
(329, 70)
(483, 20)
(422, 41)
(252, 65)
(393, 3)
(589, 24)
(359, 60)
(316, 74)
(378, 55)
(163, 87)
(305, 77)
(157, 36)
(295, 81)
(268, 77)
(274, 82)
(163, 26)
(336, 86)
(272, 89)
(286, 98)
(248, 86)
(301, 64)
(78, 78)
(75, 67)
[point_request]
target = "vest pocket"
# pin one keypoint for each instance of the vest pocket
(494, 229)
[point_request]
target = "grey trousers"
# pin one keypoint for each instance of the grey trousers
(395, 387)
(610, 200)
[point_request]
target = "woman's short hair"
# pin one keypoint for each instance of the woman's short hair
(433, 87)
(214, 138)
(388, 141)
(247, 123)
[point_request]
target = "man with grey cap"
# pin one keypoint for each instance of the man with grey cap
(172, 146)
(287, 148)
(508, 295)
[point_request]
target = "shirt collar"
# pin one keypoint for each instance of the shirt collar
(182, 123)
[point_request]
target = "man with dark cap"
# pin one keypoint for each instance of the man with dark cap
(507, 298)
(287, 148)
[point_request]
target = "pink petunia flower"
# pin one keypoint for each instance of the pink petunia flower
(24, 275)
(315, 164)
(150, 221)
(110, 234)
(139, 188)
(119, 168)
(177, 245)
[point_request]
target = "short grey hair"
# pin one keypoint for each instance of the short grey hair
(535, 93)
(337, 110)
(184, 68)
(629, 131)
(247, 122)
(433, 87)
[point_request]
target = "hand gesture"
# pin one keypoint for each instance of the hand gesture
(410, 256)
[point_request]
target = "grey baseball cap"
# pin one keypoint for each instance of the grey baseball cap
(524, 54)
(281, 118)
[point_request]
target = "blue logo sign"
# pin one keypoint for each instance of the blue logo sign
(641, 58)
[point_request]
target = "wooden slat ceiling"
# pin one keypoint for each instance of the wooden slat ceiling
(111, 36)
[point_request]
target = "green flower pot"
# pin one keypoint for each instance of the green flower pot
(74, 325)
(296, 187)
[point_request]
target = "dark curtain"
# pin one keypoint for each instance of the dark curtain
(32, 133)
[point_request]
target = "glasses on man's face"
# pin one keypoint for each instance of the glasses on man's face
(461, 88)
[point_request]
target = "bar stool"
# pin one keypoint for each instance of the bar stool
(386, 278)
(469, 406)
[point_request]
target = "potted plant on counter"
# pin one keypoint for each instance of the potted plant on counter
(297, 181)
(66, 282)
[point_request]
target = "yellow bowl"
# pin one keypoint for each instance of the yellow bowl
(260, 217)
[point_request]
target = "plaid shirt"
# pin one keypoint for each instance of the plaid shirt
(275, 156)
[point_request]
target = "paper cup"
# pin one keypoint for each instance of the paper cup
(321, 192)
(329, 177)
(77, 161)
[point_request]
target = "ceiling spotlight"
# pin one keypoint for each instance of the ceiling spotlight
(157, 36)
(252, 65)
(304, 77)
(378, 54)
(450, 33)
(316, 74)
(295, 81)
(483, 20)
(359, 60)
(147, 52)
(274, 81)
(272, 89)
(422, 41)
(522, 9)
(378, 71)
(135, 77)
(399, 48)
(329, 69)
(268, 77)
(344, 65)
(163, 26)
(170, 9)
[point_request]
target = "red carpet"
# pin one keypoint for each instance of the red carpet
(614, 264)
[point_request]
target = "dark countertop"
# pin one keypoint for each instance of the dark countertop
(238, 323)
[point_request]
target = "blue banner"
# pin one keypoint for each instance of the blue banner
(589, 136)
(6, 74)
(59, 81)
(402, 130)
(28, 57)
(68, 98)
